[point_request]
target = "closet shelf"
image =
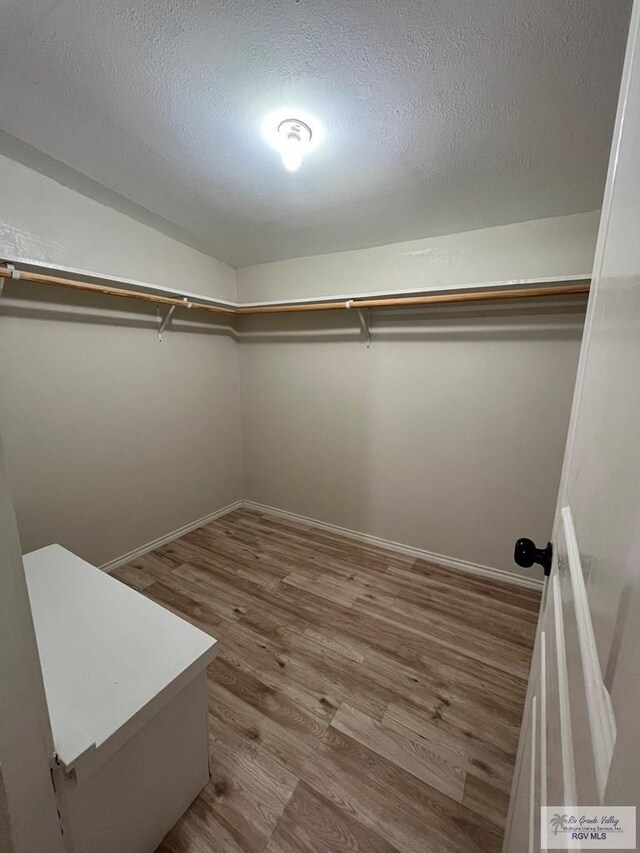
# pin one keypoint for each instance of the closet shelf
(483, 292)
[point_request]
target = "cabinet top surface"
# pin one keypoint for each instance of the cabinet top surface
(107, 652)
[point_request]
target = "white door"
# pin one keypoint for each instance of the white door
(580, 740)
(28, 814)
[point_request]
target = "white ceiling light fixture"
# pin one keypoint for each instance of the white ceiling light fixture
(293, 134)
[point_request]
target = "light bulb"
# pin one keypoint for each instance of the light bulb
(294, 137)
(292, 152)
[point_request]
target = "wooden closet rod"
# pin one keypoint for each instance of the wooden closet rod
(40, 278)
(402, 301)
(581, 287)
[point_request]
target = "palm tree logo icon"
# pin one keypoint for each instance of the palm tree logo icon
(557, 820)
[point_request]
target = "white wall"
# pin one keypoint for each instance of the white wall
(562, 245)
(112, 439)
(448, 433)
(42, 220)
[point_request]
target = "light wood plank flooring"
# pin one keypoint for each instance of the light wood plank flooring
(361, 700)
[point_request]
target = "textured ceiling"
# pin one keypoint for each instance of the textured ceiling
(440, 115)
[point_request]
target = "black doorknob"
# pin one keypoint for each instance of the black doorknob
(526, 554)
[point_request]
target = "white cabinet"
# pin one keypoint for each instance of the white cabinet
(126, 689)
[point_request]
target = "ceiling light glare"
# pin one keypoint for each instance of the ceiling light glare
(293, 134)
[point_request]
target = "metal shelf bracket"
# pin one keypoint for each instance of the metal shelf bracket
(164, 321)
(365, 325)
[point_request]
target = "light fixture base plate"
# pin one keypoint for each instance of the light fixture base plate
(293, 127)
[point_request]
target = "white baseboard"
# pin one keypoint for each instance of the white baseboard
(169, 537)
(418, 553)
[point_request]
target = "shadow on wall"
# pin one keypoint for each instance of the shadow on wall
(530, 318)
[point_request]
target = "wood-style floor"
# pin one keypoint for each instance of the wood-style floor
(361, 700)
